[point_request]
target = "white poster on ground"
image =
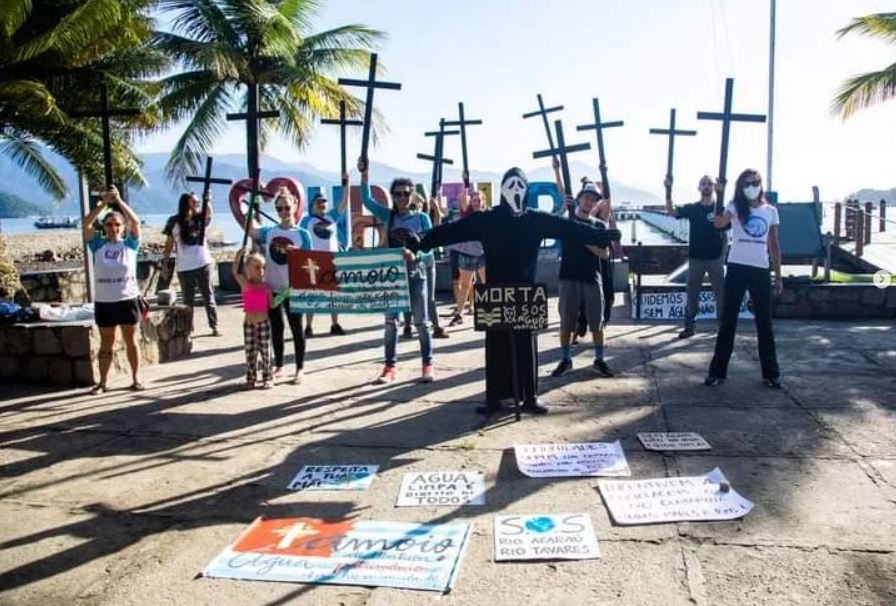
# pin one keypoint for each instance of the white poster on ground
(695, 498)
(573, 459)
(334, 477)
(557, 536)
(445, 488)
(673, 440)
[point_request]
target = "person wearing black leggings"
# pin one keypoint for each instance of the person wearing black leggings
(755, 246)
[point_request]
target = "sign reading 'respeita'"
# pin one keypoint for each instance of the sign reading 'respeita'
(695, 498)
(561, 536)
(334, 477)
(565, 460)
(510, 307)
(673, 440)
(446, 488)
(345, 552)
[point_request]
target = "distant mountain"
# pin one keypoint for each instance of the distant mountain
(160, 197)
(12, 206)
(873, 195)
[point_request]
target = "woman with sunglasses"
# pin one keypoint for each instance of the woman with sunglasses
(402, 225)
(754, 246)
(115, 281)
(275, 241)
(193, 262)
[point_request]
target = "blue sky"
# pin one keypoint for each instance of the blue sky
(640, 57)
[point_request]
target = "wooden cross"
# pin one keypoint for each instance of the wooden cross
(253, 204)
(671, 132)
(437, 158)
(370, 84)
(463, 123)
(543, 112)
(252, 116)
(727, 117)
(440, 151)
(342, 122)
(104, 113)
(562, 150)
(207, 181)
(599, 127)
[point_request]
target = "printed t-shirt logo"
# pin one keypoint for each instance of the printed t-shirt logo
(756, 226)
(279, 245)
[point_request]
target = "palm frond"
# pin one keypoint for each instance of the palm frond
(200, 134)
(25, 152)
(13, 13)
(865, 90)
(880, 25)
(76, 31)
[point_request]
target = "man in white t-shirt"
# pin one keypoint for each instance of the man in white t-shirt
(322, 225)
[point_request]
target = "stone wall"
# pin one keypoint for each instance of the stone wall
(56, 286)
(836, 302)
(65, 353)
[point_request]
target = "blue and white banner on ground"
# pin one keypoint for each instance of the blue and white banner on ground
(334, 477)
(345, 552)
(556, 536)
(364, 281)
(572, 459)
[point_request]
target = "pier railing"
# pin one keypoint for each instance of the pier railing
(679, 229)
(856, 222)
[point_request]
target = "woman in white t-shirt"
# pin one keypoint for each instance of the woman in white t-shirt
(754, 248)
(194, 260)
(115, 282)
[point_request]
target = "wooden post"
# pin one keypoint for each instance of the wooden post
(828, 250)
(869, 211)
(638, 283)
(84, 196)
(882, 216)
(838, 216)
(859, 223)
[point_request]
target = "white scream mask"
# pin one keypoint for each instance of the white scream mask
(752, 192)
(514, 187)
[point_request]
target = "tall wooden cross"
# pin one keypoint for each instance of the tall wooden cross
(253, 116)
(254, 193)
(462, 122)
(599, 127)
(207, 180)
(562, 150)
(543, 112)
(437, 158)
(672, 133)
(370, 84)
(440, 152)
(342, 122)
(104, 113)
(727, 117)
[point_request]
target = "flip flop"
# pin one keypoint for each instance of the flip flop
(137, 386)
(99, 388)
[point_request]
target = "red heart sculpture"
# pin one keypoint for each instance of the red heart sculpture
(240, 191)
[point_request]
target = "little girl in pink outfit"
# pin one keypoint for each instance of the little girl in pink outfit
(257, 300)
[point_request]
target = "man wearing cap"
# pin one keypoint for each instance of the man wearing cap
(581, 286)
(322, 225)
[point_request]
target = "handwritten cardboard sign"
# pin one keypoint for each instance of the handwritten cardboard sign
(345, 552)
(559, 536)
(510, 307)
(695, 498)
(445, 488)
(334, 477)
(669, 441)
(573, 459)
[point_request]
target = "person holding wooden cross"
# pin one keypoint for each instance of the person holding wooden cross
(706, 249)
(322, 226)
(194, 261)
(404, 228)
(754, 247)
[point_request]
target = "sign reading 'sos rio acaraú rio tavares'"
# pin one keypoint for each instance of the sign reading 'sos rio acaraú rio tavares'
(354, 281)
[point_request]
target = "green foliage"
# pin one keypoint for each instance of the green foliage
(868, 89)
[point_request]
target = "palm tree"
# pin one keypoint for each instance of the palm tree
(865, 90)
(228, 47)
(53, 56)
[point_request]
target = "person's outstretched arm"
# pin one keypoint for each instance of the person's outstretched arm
(376, 209)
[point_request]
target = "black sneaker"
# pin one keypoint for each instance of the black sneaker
(335, 329)
(535, 407)
(439, 333)
(773, 383)
(712, 380)
(562, 367)
(686, 333)
(406, 333)
(309, 332)
(455, 320)
(601, 368)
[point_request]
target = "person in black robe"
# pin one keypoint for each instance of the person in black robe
(511, 236)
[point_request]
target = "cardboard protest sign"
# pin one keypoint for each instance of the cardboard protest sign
(345, 552)
(668, 441)
(351, 281)
(334, 477)
(510, 307)
(574, 459)
(695, 498)
(442, 488)
(562, 536)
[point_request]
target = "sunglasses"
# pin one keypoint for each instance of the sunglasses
(283, 209)
(754, 182)
(401, 194)
(111, 224)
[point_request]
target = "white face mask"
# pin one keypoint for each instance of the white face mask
(752, 192)
(514, 192)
